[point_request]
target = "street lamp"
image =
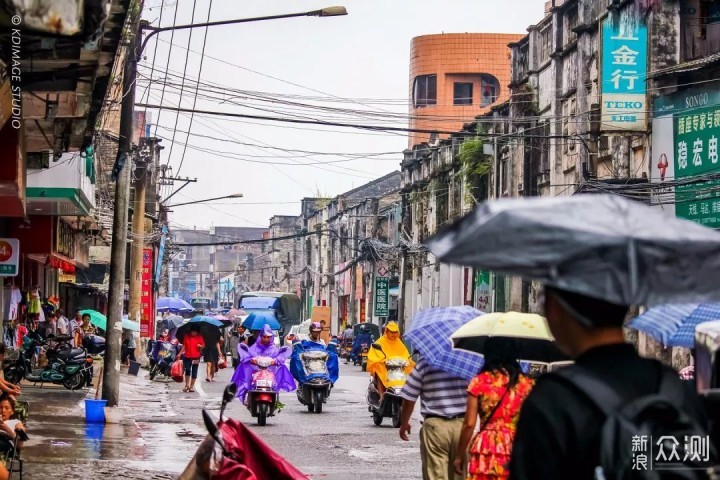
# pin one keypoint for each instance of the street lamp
(323, 12)
(234, 195)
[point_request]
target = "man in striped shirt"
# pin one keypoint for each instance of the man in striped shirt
(442, 404)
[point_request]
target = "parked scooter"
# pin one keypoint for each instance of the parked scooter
(316, 369)
(231, 450)
(67, 366)
(161, 358)
(389, 404)
(262, 397)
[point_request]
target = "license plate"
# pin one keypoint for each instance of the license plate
(264, 383)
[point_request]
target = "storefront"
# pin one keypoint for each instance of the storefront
(685, 157)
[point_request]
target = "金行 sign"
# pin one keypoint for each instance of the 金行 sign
(146, 302)
(9, 256)
(382, 297)
(624, 70)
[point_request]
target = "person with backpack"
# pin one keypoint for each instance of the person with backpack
(610, 414)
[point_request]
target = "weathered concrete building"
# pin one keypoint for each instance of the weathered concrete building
(339, 261)
(285, 253)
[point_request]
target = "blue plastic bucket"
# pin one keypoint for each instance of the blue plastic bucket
(94, 412)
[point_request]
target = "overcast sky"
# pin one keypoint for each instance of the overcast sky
(357, 62)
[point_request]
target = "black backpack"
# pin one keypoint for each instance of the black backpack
(650, 417)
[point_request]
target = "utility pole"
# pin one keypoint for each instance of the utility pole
(138, 240)
(123, 169)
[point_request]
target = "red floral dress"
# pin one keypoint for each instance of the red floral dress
(490, 449)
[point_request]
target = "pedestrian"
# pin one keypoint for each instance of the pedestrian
(495, 395)
(5, 386)
(62, 323)
(233, 343)
(211, 356)
(131, 346)
(192, 346)
(75, 322)
(442, 406)
(51, 325)
(559, 433)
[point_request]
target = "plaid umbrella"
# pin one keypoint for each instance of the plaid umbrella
(673, 325)
(430, 332)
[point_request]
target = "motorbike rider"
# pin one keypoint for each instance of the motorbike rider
(315, 330)
(263, 347)
(362, 337)
(392, 347)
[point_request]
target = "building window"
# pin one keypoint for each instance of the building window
(489, 90)
(462, 93)
(569, 123)
(425, 90)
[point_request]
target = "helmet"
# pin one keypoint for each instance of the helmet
(315, 326)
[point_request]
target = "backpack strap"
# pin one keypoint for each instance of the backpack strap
(589, 384)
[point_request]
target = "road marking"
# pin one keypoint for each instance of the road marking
(199, 389)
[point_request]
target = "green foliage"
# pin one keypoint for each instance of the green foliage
(474, 162)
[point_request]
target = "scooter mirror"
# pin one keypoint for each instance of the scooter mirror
(210, 425)
(377, 347)
(228, 396)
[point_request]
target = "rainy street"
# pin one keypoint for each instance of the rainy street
(163, 427)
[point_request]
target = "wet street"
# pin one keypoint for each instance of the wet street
(163, 427)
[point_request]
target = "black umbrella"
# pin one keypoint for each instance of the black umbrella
(208, 327)
(601, 246)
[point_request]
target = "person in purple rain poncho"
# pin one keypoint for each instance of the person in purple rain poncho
(263, 347)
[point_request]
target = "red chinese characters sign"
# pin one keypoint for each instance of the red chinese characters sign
(146, 311)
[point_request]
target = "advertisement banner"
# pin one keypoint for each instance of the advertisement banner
(696, 154)
(662, 167)
(359, 293)
(382, 297)
(624, 70)
(482, 290)
(161, 255)
(147, 309)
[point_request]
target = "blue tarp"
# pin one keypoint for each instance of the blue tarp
(296, 367)
(253, 303)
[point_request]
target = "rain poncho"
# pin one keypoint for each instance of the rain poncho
(296, 364)
(390, 349)
(244, 371)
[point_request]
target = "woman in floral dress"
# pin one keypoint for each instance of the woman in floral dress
(495, 395)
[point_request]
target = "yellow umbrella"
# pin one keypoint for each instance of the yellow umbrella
(531, 331)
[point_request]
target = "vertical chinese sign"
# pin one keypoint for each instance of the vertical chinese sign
(146, 311)
(624, 70)
(482, 290)
(382, 297)
(696, 153)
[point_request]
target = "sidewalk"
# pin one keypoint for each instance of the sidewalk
(152, 442)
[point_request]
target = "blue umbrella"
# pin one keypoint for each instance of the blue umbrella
(256, 320)
(171, 304)
(673, 325)
(430, 332)
(131, 325)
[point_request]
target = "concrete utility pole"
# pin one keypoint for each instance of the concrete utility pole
(111, 372)
(138, 240)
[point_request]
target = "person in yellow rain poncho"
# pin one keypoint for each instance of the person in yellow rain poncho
(392, 347)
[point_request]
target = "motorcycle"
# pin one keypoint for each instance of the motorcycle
(231, 450)
(390, 403)
(263, 395)
(67, 366)
(161, 359)
(363, 356)
(316, 370)
(357, 359)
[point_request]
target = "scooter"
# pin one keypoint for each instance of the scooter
(316, 370)
(67, 366)
(390, 403)
(363, 356)
(161, 359)
(231, 450)
(263, 395)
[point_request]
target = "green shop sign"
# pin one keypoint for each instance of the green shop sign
(696, 134)
(382, 297)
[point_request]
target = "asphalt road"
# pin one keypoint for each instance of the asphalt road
(342, 443)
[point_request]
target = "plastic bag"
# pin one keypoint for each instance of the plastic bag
(176, 371)
(222, 363)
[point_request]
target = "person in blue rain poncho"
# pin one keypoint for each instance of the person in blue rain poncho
(363, 336)
(296, 364)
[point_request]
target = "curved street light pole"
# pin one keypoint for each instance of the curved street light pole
(324, 12)
(234, 195)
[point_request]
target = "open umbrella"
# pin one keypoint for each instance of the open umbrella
(235, 314)
(171, 304)
(100, 321)
(256, 320)
(131, 325)
(429, 333)
(673, 325)
(535, 342)
(602, 246)
(172, 322)
(208, 327)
